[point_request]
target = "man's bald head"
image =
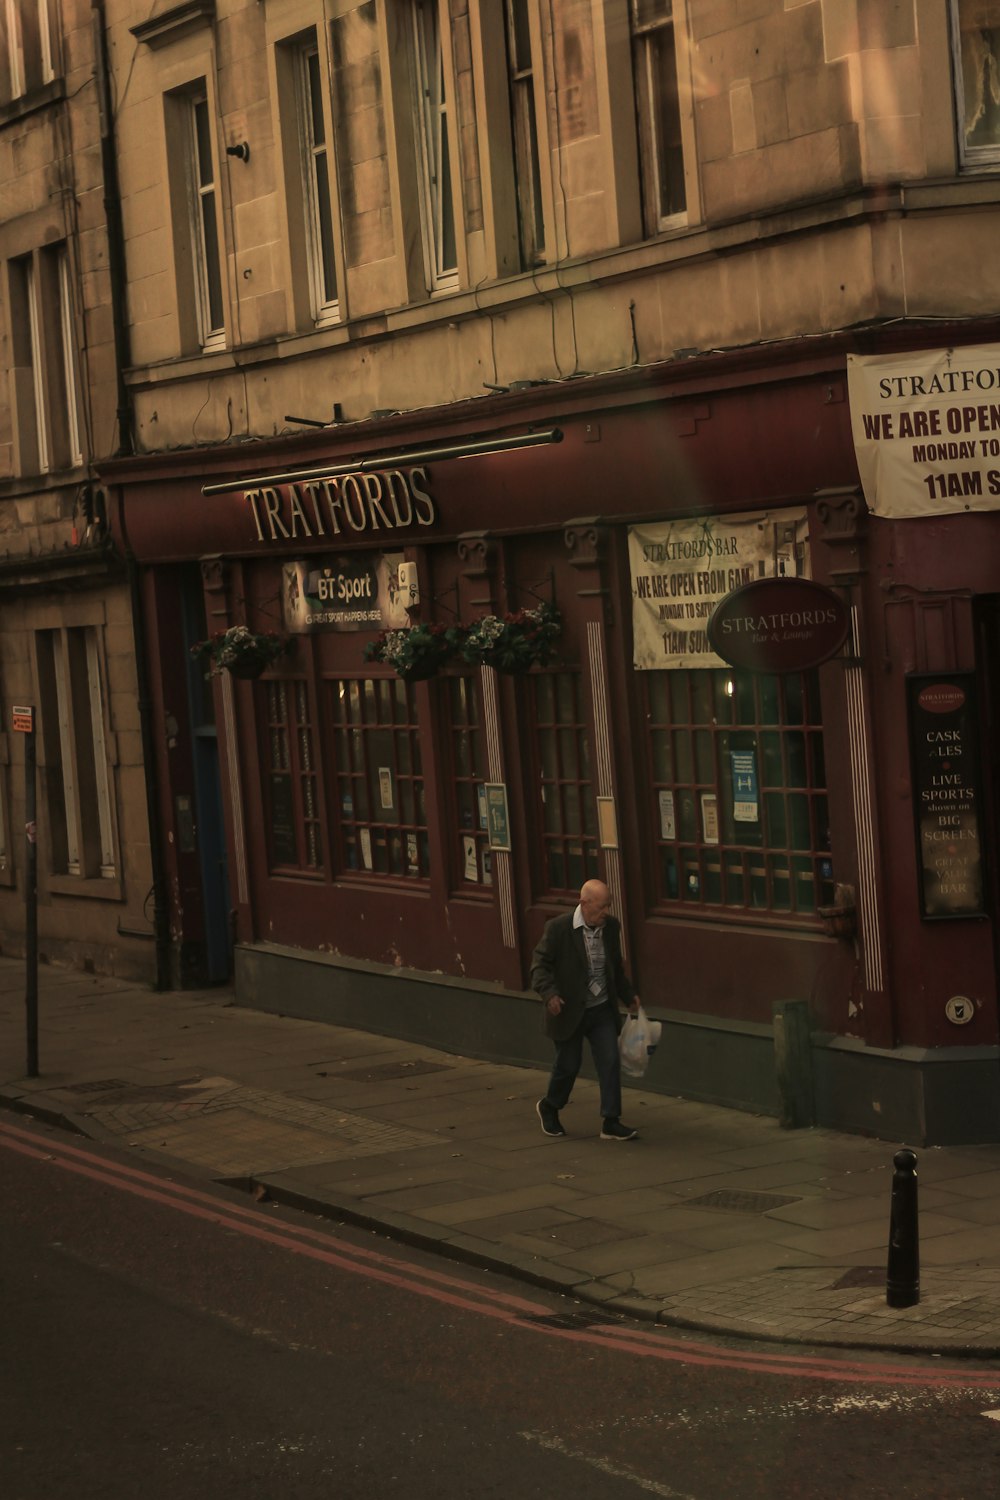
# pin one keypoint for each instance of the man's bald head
(595, 902)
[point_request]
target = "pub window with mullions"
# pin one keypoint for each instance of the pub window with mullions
(380, 783)
(737, 791)
(565, 809)
(295, 838)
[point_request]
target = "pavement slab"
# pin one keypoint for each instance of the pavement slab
(713, 1219)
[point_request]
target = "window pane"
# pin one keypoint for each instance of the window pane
(743, 787)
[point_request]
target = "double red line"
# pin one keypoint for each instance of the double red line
(325, 1247)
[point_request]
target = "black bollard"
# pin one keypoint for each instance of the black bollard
(902, 1281)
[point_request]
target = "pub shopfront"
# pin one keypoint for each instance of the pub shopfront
(377, 840)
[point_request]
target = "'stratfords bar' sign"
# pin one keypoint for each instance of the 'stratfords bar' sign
(778, 625)
(342, 505)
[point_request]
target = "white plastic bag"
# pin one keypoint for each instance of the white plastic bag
(637, 1041)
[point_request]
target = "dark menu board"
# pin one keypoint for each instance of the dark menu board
(947, 793)
(283, 846)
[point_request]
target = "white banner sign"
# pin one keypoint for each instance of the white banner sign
(927, 430)
(681, 569)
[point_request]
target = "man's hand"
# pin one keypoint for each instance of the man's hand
(634, 1004)
(554, 1004)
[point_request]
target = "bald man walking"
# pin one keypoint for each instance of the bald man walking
(578, 971)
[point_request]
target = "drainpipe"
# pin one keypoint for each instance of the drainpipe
(125, 448)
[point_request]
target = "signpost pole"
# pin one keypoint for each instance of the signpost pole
(23, 717)
(31, 905)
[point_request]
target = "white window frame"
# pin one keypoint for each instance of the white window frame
(973, 157)
(203, 200)
(41, 64)
(15, 48)
(34, 311)
(316, 177)
(646, 35)
(78, 735)
(524, 134)
(433, 143)
(69, 356)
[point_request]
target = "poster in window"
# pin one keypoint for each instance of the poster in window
(680, 570)
(746, 805)
(487, 867)
(947, 793)
(412, 858)
(366, 847)
(357, 591)
(498, 819)
(484, 819)
(709, 817)
(668, 820)
(385, 792)
(469, 857)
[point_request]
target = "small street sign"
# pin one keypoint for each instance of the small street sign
(24, 719)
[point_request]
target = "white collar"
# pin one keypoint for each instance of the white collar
(579, 922)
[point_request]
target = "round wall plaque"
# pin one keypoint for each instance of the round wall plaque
(960, 1010)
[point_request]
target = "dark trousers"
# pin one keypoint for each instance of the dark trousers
(600, 1027)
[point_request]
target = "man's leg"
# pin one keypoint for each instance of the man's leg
(569, 1056)
(602, 1031)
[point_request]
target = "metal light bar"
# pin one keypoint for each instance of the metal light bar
(390, 460)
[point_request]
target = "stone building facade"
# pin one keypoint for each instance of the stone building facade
(66, 641)
(489, 296)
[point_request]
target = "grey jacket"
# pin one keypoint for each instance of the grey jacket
(559, 967)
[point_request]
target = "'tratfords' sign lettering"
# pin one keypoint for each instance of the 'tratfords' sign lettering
(342, 505)
(779, 625)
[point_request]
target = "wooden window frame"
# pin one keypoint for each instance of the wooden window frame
(724, 876)
(288, 725)
(554, 836)
(361, 708)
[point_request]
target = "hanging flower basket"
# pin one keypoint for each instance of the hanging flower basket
(240, 651)
(516, 642)
(415, 654)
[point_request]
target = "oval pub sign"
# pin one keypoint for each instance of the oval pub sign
(778, 625)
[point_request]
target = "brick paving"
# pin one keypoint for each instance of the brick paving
(714, 1219)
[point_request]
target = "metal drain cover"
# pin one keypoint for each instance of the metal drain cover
(736, 1202)
(385, 1072)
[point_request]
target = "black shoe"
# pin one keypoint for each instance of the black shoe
(614, 1130)
(549, 1118)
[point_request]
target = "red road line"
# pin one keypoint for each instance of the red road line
(500, 1306)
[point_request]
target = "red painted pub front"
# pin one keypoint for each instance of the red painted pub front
(381, 849)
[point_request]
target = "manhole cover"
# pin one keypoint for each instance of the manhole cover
(736, 1202)
(859, 1276)
(385, 1072)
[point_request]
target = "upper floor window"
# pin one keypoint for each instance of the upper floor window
(430, 103)
(204, 221)
(527, 175)
(28, 46)
(43, 360)
(661, 156)
(977, 29)
(318, 216)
